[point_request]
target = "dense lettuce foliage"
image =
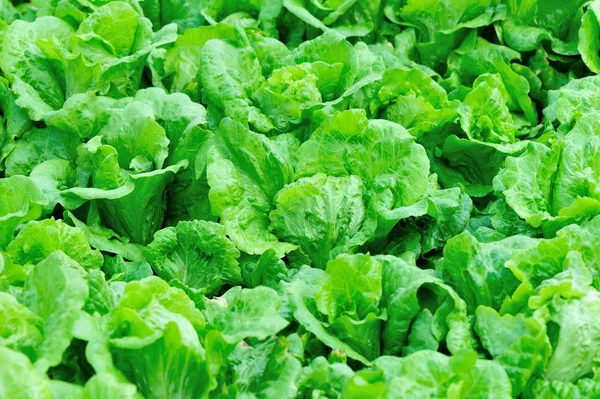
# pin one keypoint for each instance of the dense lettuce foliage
(279, 199)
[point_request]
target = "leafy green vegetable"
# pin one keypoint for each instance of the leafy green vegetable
(197, 254)
(278, 199)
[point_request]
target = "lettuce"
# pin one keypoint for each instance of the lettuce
(284, 199)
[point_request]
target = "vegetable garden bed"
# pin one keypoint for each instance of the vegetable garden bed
(285, 199)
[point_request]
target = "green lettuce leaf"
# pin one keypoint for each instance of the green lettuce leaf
(36, 71)
(22, 200)
(20, 327)
(197, 254)
(154, 340)
(300, 292)
(349, 296)
(335, 209)
(554, 185)
(529, 23)
(422, 311)
(518, 343)
(441, 25)
(569, 305)
(181, 62)
(394, 173)
(243, 182)
(476, 270)
(243, 312)
(110, 61)
(56, 291)
(323, 378)
(267, 370)
(38, 239)
(349, 18)
(19, 379)
(572, 100)
(428, 373)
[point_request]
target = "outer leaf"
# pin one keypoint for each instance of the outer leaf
(248, 313)
(428, 373)
(154, 340)
(18, 378)
(20, 328)
(352, 286)
(267, 371)
(334, 210)
(301, 293)
(410, 293)
(38, 76)
(56, 291)
(21, 201)
(197, 254)
(349, 295)
(476, 270)
(38, 239)
(518, 343)
(245, 172)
